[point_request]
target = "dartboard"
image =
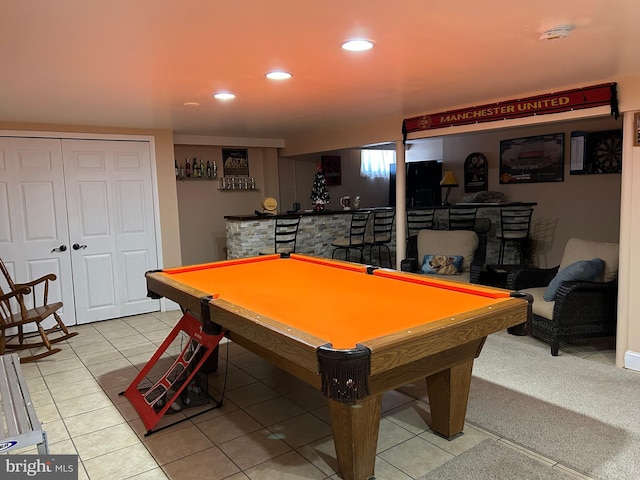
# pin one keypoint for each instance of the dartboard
(605, 152)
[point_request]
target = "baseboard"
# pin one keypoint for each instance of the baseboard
(632, 360)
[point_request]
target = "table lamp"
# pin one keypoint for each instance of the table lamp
(448, 180)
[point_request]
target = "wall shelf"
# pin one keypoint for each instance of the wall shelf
(240, 190)
(196, 179)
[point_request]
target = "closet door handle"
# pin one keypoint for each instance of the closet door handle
(77, 246)
(61, 248)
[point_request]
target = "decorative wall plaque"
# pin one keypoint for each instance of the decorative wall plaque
(475, 173)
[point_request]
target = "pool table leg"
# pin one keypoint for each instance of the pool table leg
(448, 395)
(355, 435)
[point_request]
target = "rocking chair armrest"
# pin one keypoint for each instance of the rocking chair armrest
(33, 283)
(14, 293)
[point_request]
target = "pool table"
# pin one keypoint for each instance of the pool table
(352, 331)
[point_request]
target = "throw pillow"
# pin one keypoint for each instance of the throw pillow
(583, 270)
(442, 264)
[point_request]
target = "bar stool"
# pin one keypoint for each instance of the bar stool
(462, 218)
(355, 240)
(285, 235)
(419, 220)
(515, 224)
(381, 234)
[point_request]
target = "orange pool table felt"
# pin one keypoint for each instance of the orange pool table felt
(332, 300)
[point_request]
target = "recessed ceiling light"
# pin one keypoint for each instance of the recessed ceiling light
(191, 104)
(357, 44)
(556, 33)
(224, 96)
(278, 75)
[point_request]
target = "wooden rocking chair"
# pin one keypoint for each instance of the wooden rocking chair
(14, 314)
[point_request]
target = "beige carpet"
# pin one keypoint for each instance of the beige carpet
(579, 412)
(492, 460)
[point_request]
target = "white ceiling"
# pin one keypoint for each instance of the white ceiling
(134, 63)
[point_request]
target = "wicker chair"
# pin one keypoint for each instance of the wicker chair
(581, 309)
(446, 242)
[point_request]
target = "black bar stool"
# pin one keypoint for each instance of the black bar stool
(381, 234)
(285, 235)
(355, 240)
(515, 224)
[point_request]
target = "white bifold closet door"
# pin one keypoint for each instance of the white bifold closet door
(82, 209)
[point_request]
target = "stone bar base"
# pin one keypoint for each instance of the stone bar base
(248, 234)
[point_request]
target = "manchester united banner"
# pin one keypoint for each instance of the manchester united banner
(579, 98)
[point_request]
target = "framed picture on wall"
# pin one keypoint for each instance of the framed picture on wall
(532, 159)
(235, 162)
(331, 167)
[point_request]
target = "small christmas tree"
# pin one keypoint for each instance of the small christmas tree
(319, 192)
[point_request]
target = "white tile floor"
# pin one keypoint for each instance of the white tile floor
(271, 425)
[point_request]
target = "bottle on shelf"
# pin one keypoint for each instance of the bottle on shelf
(175, 162)
(215, 170)
(208, 169)
(194, 168)
(187, 168)
(201, 170)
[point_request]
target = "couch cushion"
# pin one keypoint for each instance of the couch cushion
(449, 242)
(540, 307)
(442, 264)
(578, 249)
(582, 270)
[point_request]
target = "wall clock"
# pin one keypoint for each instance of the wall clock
(270, 205)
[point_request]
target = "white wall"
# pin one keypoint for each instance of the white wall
(373, 192)
(628, 338)
(425, 149)
(202, 206)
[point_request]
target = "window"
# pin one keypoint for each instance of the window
(375, 163)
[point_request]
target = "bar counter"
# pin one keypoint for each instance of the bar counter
(248, 234)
